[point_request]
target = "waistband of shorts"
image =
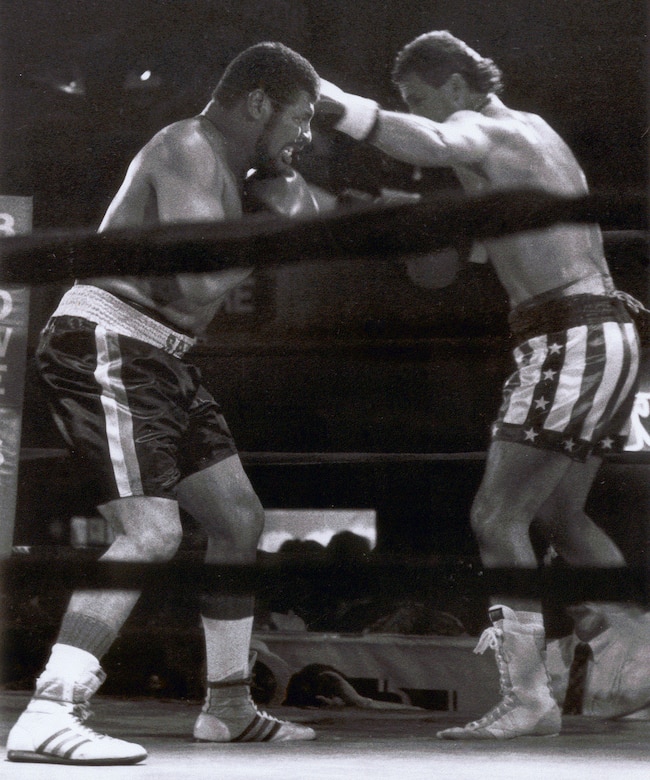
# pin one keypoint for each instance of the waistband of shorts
(101, 307)
(535, 319)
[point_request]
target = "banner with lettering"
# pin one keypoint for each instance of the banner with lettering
(15, 218)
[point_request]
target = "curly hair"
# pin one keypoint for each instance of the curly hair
(435, 56)
(271, 66)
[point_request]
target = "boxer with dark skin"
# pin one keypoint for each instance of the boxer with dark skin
(130, 404)
(577, 357)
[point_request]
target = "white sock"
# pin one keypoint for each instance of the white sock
(69, 661)
(71, 675)
(227, 647)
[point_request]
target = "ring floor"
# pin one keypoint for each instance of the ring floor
(381, 745)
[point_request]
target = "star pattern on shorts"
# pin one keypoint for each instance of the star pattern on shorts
(569, 445)
(607, 443)
(530, 435)
(541, 403)
(555, 348)
(549, 374)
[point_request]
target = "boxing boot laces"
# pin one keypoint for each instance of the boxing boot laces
(527, 707)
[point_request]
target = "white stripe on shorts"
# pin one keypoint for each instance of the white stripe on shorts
(620, 358)
(632, 344)
(119, 422)
(570, 380)
(615, 350)
(530, 374)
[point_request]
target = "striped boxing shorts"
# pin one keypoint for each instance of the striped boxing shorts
(573, 389)
(131, 408)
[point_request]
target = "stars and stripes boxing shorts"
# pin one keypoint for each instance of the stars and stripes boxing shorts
(131, 407)
(573, 388)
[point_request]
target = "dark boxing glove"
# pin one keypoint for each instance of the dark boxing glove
(285, 193)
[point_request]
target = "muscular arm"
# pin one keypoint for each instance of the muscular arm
(176, 177)
(461, 140)
(188, 179)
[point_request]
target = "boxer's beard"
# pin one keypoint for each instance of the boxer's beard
(264, 161)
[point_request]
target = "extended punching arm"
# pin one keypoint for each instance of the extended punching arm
(410, 138)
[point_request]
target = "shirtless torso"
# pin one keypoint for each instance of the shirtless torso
(194, 171)
(181, 175)
(493, 147)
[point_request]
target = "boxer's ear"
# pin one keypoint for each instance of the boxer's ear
(456, 89)
(259, 104)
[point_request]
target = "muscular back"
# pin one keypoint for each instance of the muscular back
(181, 175)
(501, 149)
(525, 152)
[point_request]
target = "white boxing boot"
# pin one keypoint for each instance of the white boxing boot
(51, 729)
(527, 707)
(230, 715)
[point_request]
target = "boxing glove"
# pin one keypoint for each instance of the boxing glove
(351, 114)
(285, 193)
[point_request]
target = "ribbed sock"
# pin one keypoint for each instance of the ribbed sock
(86, 633)
(227, 646)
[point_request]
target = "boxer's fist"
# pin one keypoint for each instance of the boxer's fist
(285, 193)
(353, 115)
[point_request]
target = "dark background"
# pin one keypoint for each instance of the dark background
(352, 357)
(343, 357)
(580, 64)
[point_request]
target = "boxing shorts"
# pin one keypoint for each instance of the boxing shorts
(132, 409)
(573, 389)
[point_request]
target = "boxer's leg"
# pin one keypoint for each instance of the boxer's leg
(581, 542)
(518, 480)
(222, 499)
(51, 728)
(564, 523)
(146, 530)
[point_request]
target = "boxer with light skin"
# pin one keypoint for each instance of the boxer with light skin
(129, 403)
(577, 358)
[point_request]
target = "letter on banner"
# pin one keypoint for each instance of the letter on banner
(15, 218)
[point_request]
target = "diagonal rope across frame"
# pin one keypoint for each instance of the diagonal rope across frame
(361, 231)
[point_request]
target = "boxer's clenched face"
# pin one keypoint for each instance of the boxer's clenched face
(422, 99)
(286, 132)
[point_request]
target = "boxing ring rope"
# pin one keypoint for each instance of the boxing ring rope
(349, 458)
(360, 232)
(388, 574)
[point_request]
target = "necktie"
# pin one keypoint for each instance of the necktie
(577, 679)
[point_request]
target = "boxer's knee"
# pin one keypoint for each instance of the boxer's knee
(236, 535)
(480, 522)
(484, 514)
(150, 545)
(146, 528)
(161, 545)
(222, 499)
(494, 523)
